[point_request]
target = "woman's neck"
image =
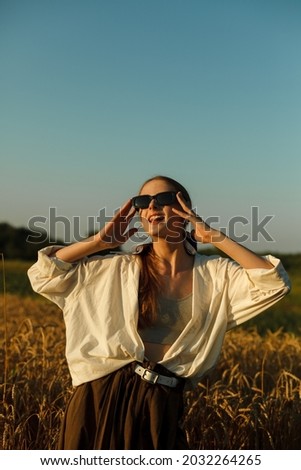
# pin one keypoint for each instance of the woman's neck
(171, 259)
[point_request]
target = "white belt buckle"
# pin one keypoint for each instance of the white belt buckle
(152, 376)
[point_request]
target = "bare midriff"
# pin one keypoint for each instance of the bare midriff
(155, 352)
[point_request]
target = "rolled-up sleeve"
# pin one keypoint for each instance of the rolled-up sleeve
(251, 291)
(51, 277)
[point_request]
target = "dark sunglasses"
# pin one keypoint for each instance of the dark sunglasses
(162, 199)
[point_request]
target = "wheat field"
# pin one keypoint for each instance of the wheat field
(251, 401)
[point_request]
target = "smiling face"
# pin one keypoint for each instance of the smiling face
(160, 222)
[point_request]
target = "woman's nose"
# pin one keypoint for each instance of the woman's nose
(153, 203)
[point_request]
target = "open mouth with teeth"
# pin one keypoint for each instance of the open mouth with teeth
(156, 219)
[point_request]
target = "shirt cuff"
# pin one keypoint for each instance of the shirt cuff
(262, 278)
(48, 260)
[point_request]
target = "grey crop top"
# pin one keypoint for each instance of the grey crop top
(173, 316)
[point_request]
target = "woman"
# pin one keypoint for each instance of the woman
(139, 325)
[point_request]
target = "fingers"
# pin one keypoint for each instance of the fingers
(115, 230)
(183, 203)
(125, 210)
(130, 233)
(187, 215)
(187, 212)
(131, 213)
(124, 215)
(182, 214)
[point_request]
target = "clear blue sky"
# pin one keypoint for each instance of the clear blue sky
(98, 95)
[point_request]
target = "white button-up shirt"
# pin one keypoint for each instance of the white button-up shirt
(99, 300)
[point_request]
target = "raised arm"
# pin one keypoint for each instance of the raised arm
(111, 236)
(205, 234)
(242, 255)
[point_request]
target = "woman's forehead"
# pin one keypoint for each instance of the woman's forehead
(156, 186)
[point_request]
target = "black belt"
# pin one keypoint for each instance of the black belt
(154, 378)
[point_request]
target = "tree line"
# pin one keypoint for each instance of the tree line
(15, 244)
(22, 243)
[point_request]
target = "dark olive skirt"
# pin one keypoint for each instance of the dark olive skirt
(122, 411)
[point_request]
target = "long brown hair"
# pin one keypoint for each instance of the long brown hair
(149, 282)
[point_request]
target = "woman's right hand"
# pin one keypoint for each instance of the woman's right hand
(115, 232)
(112, 235)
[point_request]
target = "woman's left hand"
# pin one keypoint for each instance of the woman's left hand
(201, 232)
(204, 234)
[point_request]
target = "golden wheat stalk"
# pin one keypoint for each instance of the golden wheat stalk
(5, 327)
